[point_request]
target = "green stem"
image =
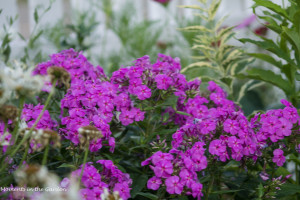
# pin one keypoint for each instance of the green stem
(21, 106)
(44, 162)
(84, 161)
(33, 127)
(210, 186)
(24, 155)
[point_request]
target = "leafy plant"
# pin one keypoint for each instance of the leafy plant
(284, 52)
(216, 59)
(5, 48)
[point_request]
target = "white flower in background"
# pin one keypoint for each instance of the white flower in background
(19, 81)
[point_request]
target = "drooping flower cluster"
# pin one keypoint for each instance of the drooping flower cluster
(109, 177)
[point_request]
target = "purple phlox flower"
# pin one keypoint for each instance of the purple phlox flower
(163, 169)
(154, 183)
(163, 81)
(216, 147)
(142, 92)
(278, 158)
(123, 190)
(159, 157)
(174, 186)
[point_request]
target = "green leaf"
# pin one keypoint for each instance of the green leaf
(203, 47)
(197, 64)
(225, 191)
(138, 184)
(288, 190)
(32, 40)
(196, 28)
(270, 46)
(213, 9)
(260, 191)
(269, 77)
(21, 36)
(182, 113)
(66, 165)
(272, 6)
(294, 38)
(267, 58)
(36, 16)
(148, 195)
(192, 7)
(246, 87)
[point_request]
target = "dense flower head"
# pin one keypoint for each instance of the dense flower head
(177, 169)
(30, 114)
(96, 180)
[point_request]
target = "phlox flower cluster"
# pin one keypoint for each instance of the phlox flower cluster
(96, 181)
(89, 100)
(219, 125)
(142, 80)
(177, 170)
(94, 100)
(30, 114)
(218, 122)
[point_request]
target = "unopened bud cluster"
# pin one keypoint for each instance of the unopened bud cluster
(40, 138)
(88, 134)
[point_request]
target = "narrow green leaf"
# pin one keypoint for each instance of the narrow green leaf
(32, 40)
(197, 64)
(196, 28)
(213, 9)
(192, 7)
(36, 15)
(183, 113)
(66, 165)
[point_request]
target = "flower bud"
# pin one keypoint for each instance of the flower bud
(87, 134)
(59, 74)
(8, 112)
